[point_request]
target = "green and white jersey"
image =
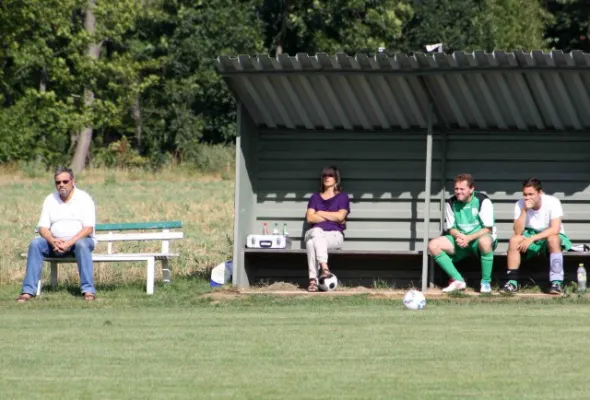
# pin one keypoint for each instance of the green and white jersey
(470, 217)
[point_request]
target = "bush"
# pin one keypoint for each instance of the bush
(216, 158)
(119, 154)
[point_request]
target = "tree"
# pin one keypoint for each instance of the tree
(570, 29)
(351, 26)
(105, 23)
(191, 103)
(37, 53)
(469, 25)
(85, 136)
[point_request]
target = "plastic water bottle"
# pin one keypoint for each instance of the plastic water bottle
(582, 278)
(275, 229)
(285, 232)
(265, 228)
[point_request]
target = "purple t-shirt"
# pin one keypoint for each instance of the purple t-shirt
(336, 203)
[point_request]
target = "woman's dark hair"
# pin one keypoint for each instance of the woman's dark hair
(331, 171)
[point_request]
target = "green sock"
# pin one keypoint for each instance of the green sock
(487, 263)
(447, 265)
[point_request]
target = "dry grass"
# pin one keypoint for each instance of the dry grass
(203, 202)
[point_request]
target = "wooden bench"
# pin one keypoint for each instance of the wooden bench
(368, 267)
(353, 266)
(128, 232)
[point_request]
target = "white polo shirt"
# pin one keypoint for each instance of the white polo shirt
(540, 219)
(65, 220)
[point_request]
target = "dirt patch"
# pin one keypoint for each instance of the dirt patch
(223, 294)
(284, 289)
(359, 289)
(280, 286)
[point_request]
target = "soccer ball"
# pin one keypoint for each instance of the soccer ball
(328, 284)
(414, 300)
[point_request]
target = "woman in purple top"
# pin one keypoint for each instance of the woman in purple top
(326, 213)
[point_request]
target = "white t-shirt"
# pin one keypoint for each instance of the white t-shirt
(540, 219)
(65, 220)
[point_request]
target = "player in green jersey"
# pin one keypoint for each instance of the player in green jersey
(469, 229)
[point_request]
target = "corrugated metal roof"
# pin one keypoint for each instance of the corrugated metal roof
(470, 91)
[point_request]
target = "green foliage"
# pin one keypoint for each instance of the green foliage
(37, 127)
(32, 169)
(119, 154)
(192, 103)
(215, 158)
(154, 83)
(570, 29)
(517, 24)
(341, 25)
(477, 25)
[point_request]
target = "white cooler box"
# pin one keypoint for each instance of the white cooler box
(268, 242)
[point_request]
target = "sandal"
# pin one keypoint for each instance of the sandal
(24, 297)
(313, 286)
(89, 296)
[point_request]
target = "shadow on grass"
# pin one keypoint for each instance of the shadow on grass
(181, 292)
(204, 275)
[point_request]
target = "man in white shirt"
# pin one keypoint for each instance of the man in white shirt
(537, 230)
(66, 227)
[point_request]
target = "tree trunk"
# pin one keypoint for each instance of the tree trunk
(280, 37)
(85, 136)
(42, 89)
(43, 80)
(136, 115)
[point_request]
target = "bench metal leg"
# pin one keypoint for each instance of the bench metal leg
(53, 275)
(151, 272)
(431, 272)
(166, 274)
(39, 284)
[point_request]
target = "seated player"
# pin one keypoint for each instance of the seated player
(537, 230)
(469, 223)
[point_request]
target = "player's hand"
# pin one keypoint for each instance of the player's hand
(461, 240)
(524, 245)
(529, 204)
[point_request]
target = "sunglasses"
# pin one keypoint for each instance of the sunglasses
(328, 176)
(64, 182)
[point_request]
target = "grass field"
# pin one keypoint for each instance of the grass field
(187, 342)
(203, 203)
(179, 345)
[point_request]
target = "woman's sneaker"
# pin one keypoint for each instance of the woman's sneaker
(455, 286)
(485, 287)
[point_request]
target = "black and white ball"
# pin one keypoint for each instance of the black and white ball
(328, 284)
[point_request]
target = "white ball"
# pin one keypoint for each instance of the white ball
(328, 284)
(414, 300)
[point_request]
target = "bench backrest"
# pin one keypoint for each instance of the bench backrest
(126, 232)
(384, 174)
(136, 226)
(121, 232)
